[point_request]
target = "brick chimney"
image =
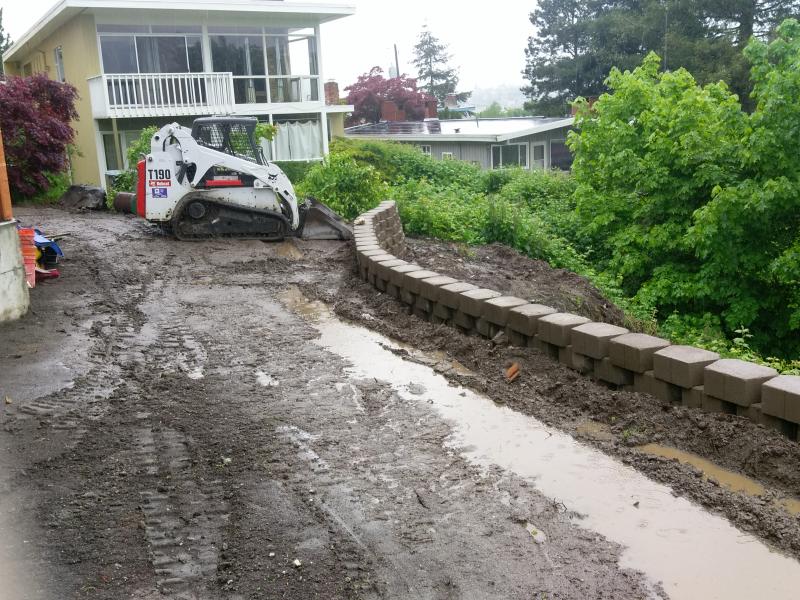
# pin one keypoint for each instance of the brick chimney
(431, 109)
(331, 93)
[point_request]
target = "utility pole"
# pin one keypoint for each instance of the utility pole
(5, 194)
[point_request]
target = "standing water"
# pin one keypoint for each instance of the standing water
(691, 552)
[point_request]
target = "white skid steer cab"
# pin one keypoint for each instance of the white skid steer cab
(213, 181)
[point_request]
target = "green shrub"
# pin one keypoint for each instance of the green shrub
(347, 187)
(706, 331)
(126, 180)
(448, 214)
(57, 184)
(296, 170)
(398, 163)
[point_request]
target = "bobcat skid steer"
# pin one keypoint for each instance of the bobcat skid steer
(213, 182)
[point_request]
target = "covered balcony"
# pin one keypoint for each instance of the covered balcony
(162, 71)
(130, 95)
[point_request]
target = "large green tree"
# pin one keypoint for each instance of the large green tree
(435, 75)
(694, 203)
(577, 42)
(5, 41)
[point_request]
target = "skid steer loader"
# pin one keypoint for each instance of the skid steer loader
(213, 181)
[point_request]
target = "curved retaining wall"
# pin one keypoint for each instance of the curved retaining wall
(675, 374)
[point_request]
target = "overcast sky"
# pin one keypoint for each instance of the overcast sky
(486, 39)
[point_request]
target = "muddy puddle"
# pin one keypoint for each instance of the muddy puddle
(689, 551)
(727, 479)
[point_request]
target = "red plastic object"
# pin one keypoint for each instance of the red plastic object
(28, 248)
(42, 274)
(224, 183)
(141, 206)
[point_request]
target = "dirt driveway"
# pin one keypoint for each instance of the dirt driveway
(183, 420)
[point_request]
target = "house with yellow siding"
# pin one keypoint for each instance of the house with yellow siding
(137, 63)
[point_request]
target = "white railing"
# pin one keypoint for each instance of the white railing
(160, 94)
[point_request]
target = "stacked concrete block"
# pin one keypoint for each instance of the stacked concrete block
(470, 310)
(397, 280)
(374, 263)
(449, 299)
(677, 374)
(383, 271)
(363, 258)
(523, 323)
(555, 332)
(633, 353)
(410, 292)
(496, 312)
(382, 227)
(680, 368)
(780, 404)
(408, 281)
(389, 229)
(590, 353)
(428, 296)
(732, 385)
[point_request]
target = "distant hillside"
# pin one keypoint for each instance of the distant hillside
(507, 96)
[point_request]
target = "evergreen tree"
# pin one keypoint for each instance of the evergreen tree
(562, 63)
(5, 41)
(437, 77)
(579, 41)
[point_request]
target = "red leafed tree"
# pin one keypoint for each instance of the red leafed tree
(372, 89)
(35, 116)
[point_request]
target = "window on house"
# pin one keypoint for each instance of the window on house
(118, 54)
(447, 156)
(303, 55)
(425, 149)
(537, 160)
(59, 60)
(151, 54)
(299, 138)
(126, 140)
(560, 156)
(169, 54)
(112, 164)
(270, 67)
(242, 55)
(510, 155)
(27, 69)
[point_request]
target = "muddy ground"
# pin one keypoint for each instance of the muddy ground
(172, 430)
(615, 421)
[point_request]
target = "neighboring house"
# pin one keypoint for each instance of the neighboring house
(527, 142)
(144, 62)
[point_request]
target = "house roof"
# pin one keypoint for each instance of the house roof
(459, 130)
(65, 10)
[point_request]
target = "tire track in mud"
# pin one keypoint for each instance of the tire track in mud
(183, 516)
(86, 399)
(184, 519)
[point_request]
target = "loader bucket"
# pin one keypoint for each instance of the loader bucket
(318, 222)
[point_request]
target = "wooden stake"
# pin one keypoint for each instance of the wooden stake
(5, 193)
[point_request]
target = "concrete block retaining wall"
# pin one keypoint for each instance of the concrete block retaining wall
(675, 374)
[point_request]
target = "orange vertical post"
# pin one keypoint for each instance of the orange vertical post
(5, 192)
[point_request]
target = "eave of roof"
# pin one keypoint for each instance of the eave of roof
(65, 10)
(460, 137)
(339, 108)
